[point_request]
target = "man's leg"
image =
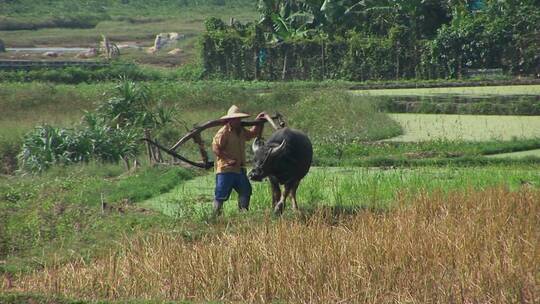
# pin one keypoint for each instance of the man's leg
(243, 188)
(224, 185)
(243, 203)
(218, 205)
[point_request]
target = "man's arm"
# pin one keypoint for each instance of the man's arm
(256, 129)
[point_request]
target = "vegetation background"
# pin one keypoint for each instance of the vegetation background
(404, 204)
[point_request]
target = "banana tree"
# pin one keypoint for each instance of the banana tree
(343, 15)
(295, 26)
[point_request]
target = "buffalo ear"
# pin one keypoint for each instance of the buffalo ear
(257, 144)
(275, 151)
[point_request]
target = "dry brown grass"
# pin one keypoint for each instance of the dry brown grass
(467, 247)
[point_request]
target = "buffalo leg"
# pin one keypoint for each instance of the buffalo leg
(294, 187)
(276, 191)
(278, 209)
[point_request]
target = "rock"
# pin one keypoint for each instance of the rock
(128, 46)
(175, 51)
(175, 36)
(151, 50)
(50, 54)
(88, 54)
(2, 46)
(164, 39)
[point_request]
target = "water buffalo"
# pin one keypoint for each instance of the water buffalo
(285, 159)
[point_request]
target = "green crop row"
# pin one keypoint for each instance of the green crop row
(530, 106)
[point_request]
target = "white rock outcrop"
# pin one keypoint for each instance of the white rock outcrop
(164, 39)
(50, 54)
(88, 54)
(175, 51)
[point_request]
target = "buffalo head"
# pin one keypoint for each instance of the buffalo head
(264, 155)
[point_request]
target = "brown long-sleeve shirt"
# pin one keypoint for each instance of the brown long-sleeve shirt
(229, 146)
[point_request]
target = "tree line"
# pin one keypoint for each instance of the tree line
(368, 39)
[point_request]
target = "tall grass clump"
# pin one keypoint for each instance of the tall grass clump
(110, 133)
(336, 119)
(9, 149)
(47, 145)
(340, 115)
(466, 246)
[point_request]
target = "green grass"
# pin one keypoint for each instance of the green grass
(521, 154)
(352, 118)
(117, 31)
(341, 126)
(133, 9)
(138, 22)
(27, 104)
(60, 210)
(344, 188)
(24, 298)
(77, 211)
(528, 105)
(425, 127)
(480, 90)
(59, 215)
(29, 298)
(367, 153)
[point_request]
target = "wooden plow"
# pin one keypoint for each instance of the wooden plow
(195, 135)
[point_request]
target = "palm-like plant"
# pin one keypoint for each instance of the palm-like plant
(111, 133)
(288, 18)
(133, 108)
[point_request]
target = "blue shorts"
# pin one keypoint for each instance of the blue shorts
(225, 182)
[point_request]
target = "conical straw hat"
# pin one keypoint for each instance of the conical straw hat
(234, 112)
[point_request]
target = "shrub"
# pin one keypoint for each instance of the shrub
(75, 75)
(111, 133)
(501, 36)
(47, 145)
(338, 117)
(9, 149)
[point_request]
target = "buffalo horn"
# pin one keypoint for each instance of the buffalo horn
(256, 145)
(276, 150)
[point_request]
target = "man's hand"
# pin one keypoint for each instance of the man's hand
(260, 116)
(256, 130)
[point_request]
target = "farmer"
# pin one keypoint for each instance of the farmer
(229, 147)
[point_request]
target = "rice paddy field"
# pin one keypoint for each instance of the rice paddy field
(471, 245)
(398, 207)
(133, 27)
(529, 153)
(470, 91)
(426, 127)
(348, 189)
(420, 195)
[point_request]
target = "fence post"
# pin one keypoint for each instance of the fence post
(323, 61)
(285, 57)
